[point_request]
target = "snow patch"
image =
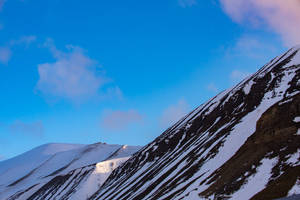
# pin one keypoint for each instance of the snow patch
(257, 182)
(98, 177)
(43, 163)
(294, 159)
(297, 119)
(193, 195)
(248, 86)
(286, 101)
(295, 60)
(295, 189)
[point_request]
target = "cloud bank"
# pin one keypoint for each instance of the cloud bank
(120, 120)
(281, 16)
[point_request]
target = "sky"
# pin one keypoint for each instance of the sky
(122, 72)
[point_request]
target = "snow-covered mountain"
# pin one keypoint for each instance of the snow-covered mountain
(77, 170)
(242, 144)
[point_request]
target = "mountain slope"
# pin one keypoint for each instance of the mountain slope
(242, 144)
(26, 175)
(19, 165)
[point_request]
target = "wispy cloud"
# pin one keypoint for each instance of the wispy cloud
(73, 76)
(212, 87)
(187, 3)
(5, 55)
(120, 120)
(35, 129)
(1, 4)
(237, 75)
(282, 17)
(249, 46)
(6, 51)
(2, 157)
(26, 40)
(114, 92)
(174, 113)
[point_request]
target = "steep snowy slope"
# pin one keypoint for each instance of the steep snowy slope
(19, 166)
(242, 144)
(25, 175)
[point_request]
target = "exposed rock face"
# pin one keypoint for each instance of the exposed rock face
(242, 144)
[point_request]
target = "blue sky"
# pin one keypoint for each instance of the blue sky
(123, 71)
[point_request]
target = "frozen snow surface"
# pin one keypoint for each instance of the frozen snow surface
(295, 189)
(35, 168)
(257, 182)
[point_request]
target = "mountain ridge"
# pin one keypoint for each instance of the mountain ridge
(183, 162)
(23, 175)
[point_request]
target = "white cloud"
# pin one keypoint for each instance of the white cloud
(2, 157)
(35, 129)
(187, 3)
(120, 120)
(212, 87)
(73, 76)
(281, 16)
(174, 113)
(5, 55)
